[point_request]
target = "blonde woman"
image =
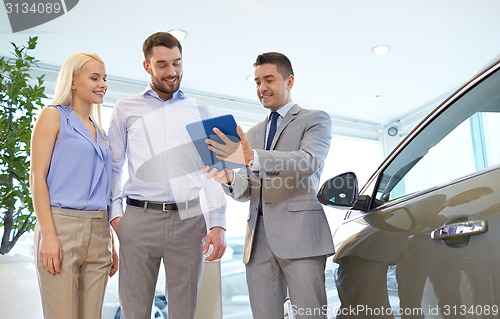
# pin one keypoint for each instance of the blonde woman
(70, 183)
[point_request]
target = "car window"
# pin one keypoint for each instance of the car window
(462, 140)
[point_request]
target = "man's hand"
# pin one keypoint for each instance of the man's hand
(114, 255)
(237, 152)
(226, 176)
(115, 222)
(217, 238)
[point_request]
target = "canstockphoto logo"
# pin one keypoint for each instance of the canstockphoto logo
(25, 14)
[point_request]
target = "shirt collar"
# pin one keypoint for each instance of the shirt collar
(282, 111)
(178, 95)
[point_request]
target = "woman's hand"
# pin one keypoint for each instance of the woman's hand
(50, 253)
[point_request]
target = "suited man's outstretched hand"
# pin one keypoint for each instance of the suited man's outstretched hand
(226, 176)
(237, 152)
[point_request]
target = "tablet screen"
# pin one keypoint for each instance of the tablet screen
(201, 130)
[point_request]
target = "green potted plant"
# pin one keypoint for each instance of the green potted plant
(20, 100)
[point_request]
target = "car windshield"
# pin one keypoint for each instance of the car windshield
(467, 130)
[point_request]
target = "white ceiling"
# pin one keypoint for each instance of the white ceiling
(436, 46)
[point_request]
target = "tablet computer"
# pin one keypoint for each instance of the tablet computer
(201, 130)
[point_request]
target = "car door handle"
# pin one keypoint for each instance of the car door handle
(457, 230)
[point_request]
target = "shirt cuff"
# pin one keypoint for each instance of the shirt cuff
(255, 165)
(216, 218)
(116, 209)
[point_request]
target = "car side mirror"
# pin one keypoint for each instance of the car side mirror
(341, 190)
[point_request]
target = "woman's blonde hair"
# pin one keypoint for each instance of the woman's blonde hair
(63, 94)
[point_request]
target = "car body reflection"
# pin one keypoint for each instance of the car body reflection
(420, 239)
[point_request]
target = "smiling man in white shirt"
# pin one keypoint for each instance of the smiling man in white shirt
(163, 218)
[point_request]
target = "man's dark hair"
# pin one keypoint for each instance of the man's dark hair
(280, 60)
(160, 38)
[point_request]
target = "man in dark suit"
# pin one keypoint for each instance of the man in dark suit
(288, 238)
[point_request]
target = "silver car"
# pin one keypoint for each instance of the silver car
(422, 238)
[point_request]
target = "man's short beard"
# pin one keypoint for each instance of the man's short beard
(165, 90)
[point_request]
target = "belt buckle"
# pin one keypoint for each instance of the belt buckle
(165, 207)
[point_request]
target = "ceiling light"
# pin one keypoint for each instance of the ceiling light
(376, 96)
(381, 49)
(392, 131)
(178, 33)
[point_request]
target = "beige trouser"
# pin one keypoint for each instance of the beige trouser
(78, 291)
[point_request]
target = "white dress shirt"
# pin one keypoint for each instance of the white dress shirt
(163, 165)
